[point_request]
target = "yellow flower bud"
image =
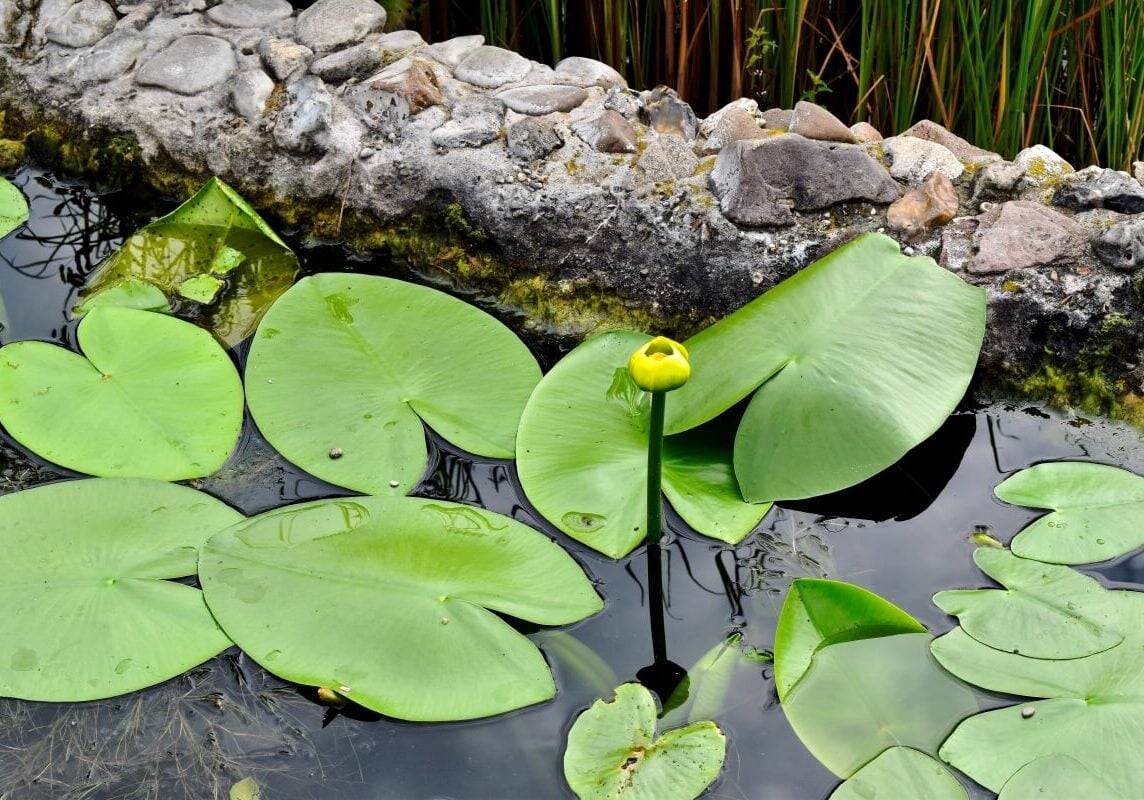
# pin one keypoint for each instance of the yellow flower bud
(660, 365)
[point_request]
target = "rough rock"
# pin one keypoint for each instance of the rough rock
(957, 243)
(665, 112)
(331, 24)
(734, 125)
(411, 90)
(933, 132)
(136, 19)
(10, 14)
(865, 132)
(708, 125)
(1122, 245)
(537, 101)
(351, 62)
(1022, 235)
(777, 118)
(1138, 170)
(580, 71)
(912, 159)
(400, 41)
(1109, 189)
(492, 67)
(474, 121)
(667, 158)
(815, 122)
(250, 13)
(996, 181)
(181, 7)
(532, 138)
(931, 204)
(624, 102)
(249, 92)
(83, 24)
(452, 52)
(189, 65)
(607, 132)
(282, 58)
(304, 121)
(112, 57)
(1041, 167)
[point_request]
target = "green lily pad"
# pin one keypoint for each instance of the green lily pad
(131, 293)
(131, 408)
(13, 207)
(410, 630)
(860, 357)
(214, 232)
(88, 610)
(706, 691)
(202, 289)
(900, 773)
(1097, 511)
(613, 752)
(376, 357)
(582, 456)
(1049, 776)
(1091, 711)
(1046, 611)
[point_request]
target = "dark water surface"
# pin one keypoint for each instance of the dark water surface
(905, 535)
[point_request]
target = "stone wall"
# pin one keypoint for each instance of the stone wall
(563, 192)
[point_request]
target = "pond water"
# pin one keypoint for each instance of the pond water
(904, 534)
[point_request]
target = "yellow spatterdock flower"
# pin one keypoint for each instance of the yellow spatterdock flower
(660, 365)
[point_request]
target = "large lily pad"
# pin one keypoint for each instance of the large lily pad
(13, 207)
(900, 773)
(613, 752)
(860, 357)
(1049, 776)
(1097, 511)
(1046, 610)
(582, 456)
(390, 601)
(355, 363)
(216, 235)
(88, 609)
(1091, 713)
(155, 397)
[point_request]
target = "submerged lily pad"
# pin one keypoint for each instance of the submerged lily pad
(706, 691)
(13, 207)
(201, 288)
(356, 363)
(130, 293)
(900, 773)
(88, 610)
(214, 232)
(155, 397)
(410, 630)
(1046, 611)
(1097, 511)
(1049, 776)
(613, 752)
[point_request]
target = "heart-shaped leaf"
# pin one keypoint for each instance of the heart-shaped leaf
(13, 207)
(900, 773)
(155, 397)
(1046, 611)
(1049, 776)
(88, 609)
(356, 362)
(1097, 511)
(410, 630)
(613, 753)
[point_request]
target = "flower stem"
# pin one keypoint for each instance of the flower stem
(655, 469)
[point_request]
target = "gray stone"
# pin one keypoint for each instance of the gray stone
(332, 24)
(250, 13)
(607, 132)
(10, 14)
(177, 8)
(1122, 245)
(249, 93)
(189, 65)
(112, 57)
(735, 125)
(1138, 170)
(83, 24)
(452, 52)
(912, 159)
(304, 122)
(581, 71)
(667, 158)
(400, 41)
(932, 132)
(864, 132)
(537, 101)
(282, 57)
(708, 125)
(1041, 167)
(996, 181)
(492, 67)
(815, 122)
(531, 139)
(349, 63)
(623, 101)
(1023, 235)
(957, 243)
(777, 118)
(137, 18)
(665, 112)
(473, 122)
(1110, 189)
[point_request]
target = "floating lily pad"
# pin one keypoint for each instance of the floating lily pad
(88, 610)
(900, 773)
(155, 397)
(706, 692)
(582, 456)
(410, 630)
(356, 363)
(1091, 713)
(860, 357)
(215, 232)
(613, 752)
(13, 207)
(130, 293)
(201, 288)
(1097, 511)
(1049, 776)
(1046, 611)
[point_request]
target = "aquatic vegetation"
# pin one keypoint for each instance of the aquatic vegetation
(13, 207)
(901, 772)
(1046, 776)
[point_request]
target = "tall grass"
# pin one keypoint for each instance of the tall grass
(1002, 73)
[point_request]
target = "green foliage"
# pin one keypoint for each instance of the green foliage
(898, 773)
(1050, 775)
(720, 680)
(13, 208)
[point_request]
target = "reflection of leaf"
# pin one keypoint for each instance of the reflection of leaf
(13, 207)
(706, 692)
(1049, 776)
(901, 773)
(613, 753)
(88, 609)
(411, 630)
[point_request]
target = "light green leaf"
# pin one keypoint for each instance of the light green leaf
(130, 408)
(901, 773)
(861, 356)
(131, 293)
(1092, 711)
(201, 288)
(582, 456)
(357, 362)
(88, 610)
(13, 207)
(613, 753)
(1097, 511)
(1047, 611)
(410, 631)
(706, 692)
(1050, 776)
(214, 232)
(245, 789)
(819, 612)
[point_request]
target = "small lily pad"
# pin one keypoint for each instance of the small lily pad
(130, 293)
(13, 207)
(202, 289)
(900, 773)
(613, 752)
(1049, 776)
